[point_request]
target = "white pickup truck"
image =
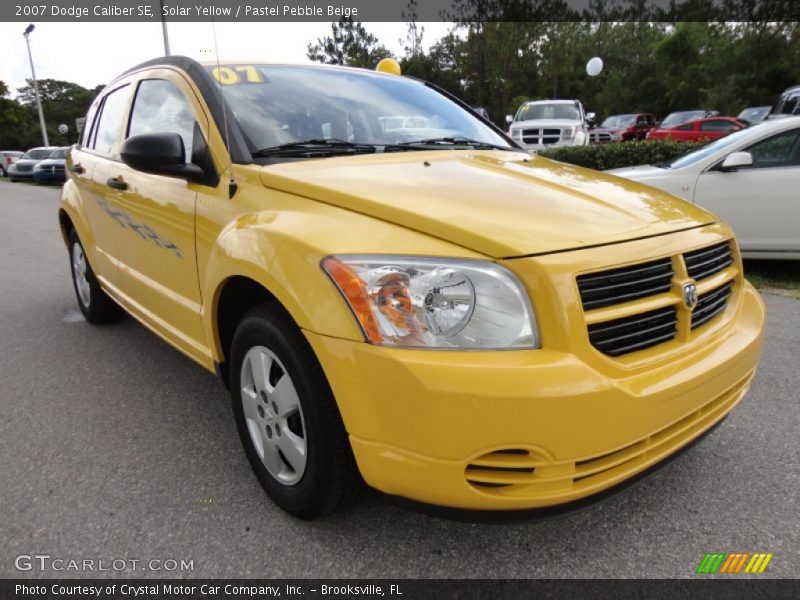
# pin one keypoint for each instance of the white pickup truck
(541, 124)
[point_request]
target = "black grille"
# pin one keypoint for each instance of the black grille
(708, 261)
(629, 334)
(625, 284)
(710, 304)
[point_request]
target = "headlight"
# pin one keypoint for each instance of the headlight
(37, 167)
(569, 132)
(616, 136)
(516, 134)
(435, 303)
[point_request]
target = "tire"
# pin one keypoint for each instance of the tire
(275, 424)
(95, 304)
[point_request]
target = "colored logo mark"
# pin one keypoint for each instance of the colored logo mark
(733, 564)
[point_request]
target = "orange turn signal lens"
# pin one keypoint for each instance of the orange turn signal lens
(355, 292)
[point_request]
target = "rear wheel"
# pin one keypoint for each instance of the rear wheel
(95, 304)
(287, 417)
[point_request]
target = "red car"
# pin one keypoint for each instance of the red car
(620, 128)
(711, 128)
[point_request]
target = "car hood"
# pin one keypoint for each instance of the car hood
(640, 172)
(49, 162)
(544, 123)
(610, 129)
(28, 161)
(501, 204)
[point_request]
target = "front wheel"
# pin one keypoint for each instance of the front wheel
(287, 417)
(94, 303)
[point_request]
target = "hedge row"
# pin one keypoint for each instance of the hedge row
(618, 155)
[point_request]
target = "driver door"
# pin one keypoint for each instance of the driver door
(157, 260)
(762, 202)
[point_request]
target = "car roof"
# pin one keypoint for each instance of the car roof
(550, 102)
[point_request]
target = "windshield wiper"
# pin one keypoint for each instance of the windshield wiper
(456, 141)
(319, 146)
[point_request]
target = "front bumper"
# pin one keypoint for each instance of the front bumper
(529, 429)
(15, 174)
(50, 177)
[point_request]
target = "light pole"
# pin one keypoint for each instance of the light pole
(28, 30)
(164, 29)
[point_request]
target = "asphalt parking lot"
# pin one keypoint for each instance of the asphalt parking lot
(114, 445)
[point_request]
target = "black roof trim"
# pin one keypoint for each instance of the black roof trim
(239, 151)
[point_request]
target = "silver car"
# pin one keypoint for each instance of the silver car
(8, 158)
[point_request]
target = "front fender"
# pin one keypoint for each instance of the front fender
(289, 269)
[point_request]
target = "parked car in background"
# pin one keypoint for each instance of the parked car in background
(750, 178)
(541, 124)
(684, 116)
(52, 169)
(788, 104)
(8, 158)
(754, 114)
(23, 168)
(622, 128)
(698, 130)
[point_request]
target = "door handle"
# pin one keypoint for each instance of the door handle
(77, 168)
(117, 183)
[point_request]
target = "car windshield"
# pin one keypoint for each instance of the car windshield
(677, 118)
(60, 153)
(531, 112)
(278, 106)
(790, 105)
(38, 153)
(619, 121)
(754, 114)
(701, 153)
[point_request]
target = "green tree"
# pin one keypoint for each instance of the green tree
(62, 102)
(349, 44)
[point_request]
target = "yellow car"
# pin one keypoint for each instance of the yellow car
(396, 294)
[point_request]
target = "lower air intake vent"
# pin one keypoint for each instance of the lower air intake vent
(502, 468)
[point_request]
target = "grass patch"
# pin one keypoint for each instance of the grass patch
(774, 276)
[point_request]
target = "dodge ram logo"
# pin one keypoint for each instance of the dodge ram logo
(690, 294)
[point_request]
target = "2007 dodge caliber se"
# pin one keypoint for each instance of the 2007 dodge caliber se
(397, 294)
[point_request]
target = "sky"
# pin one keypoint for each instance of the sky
(94, 53)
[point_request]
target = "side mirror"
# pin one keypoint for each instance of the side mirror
(735, 160)
(160, 154)
(509, 119)
(590, 117)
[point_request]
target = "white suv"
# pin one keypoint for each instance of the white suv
(542, 124)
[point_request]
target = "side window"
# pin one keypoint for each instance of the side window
(641, 120)
(83, 140)
(686, 127)
(776, 151)
(717, 125)
(160, 107)
(106, 133)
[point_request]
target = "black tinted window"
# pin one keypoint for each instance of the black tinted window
(778, 150)
(160, 107)
(717, 126)
(111, 118)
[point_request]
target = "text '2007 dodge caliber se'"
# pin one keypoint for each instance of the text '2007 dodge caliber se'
(397, 294)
